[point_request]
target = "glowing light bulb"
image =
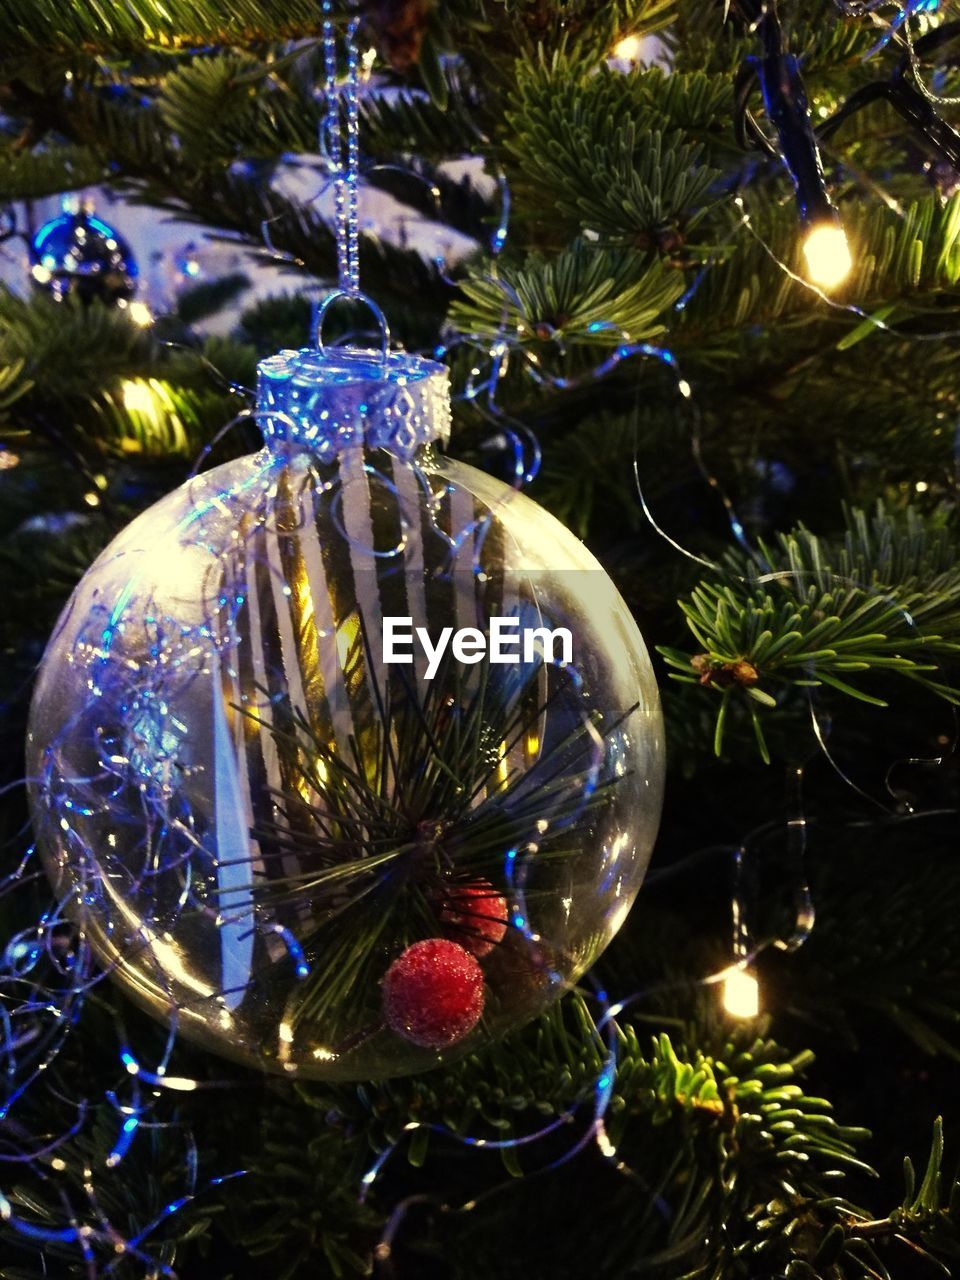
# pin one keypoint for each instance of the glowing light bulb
(741, 993)
(827, 253)
(628, 49)
(140, 314)
(137, 396)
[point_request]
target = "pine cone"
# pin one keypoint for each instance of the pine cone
(725, 674)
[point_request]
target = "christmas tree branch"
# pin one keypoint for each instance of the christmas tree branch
(804, 613)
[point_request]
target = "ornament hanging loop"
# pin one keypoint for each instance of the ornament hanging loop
(340, 145)
(337, 295)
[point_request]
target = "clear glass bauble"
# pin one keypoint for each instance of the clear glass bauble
(253, 815)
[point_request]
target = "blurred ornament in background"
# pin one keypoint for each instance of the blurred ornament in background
(77, 255)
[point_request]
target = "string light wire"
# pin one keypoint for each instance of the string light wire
(19, 965)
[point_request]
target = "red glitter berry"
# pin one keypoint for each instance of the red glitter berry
(475, 915)
(433, 993)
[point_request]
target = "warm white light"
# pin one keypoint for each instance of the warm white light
(607, 1149)
(138, 396)
(741, 994)
(141, 314)
(182, 1084)
(628, 49)
(827, 254)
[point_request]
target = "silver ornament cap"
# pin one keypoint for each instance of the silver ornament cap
(332, 399)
